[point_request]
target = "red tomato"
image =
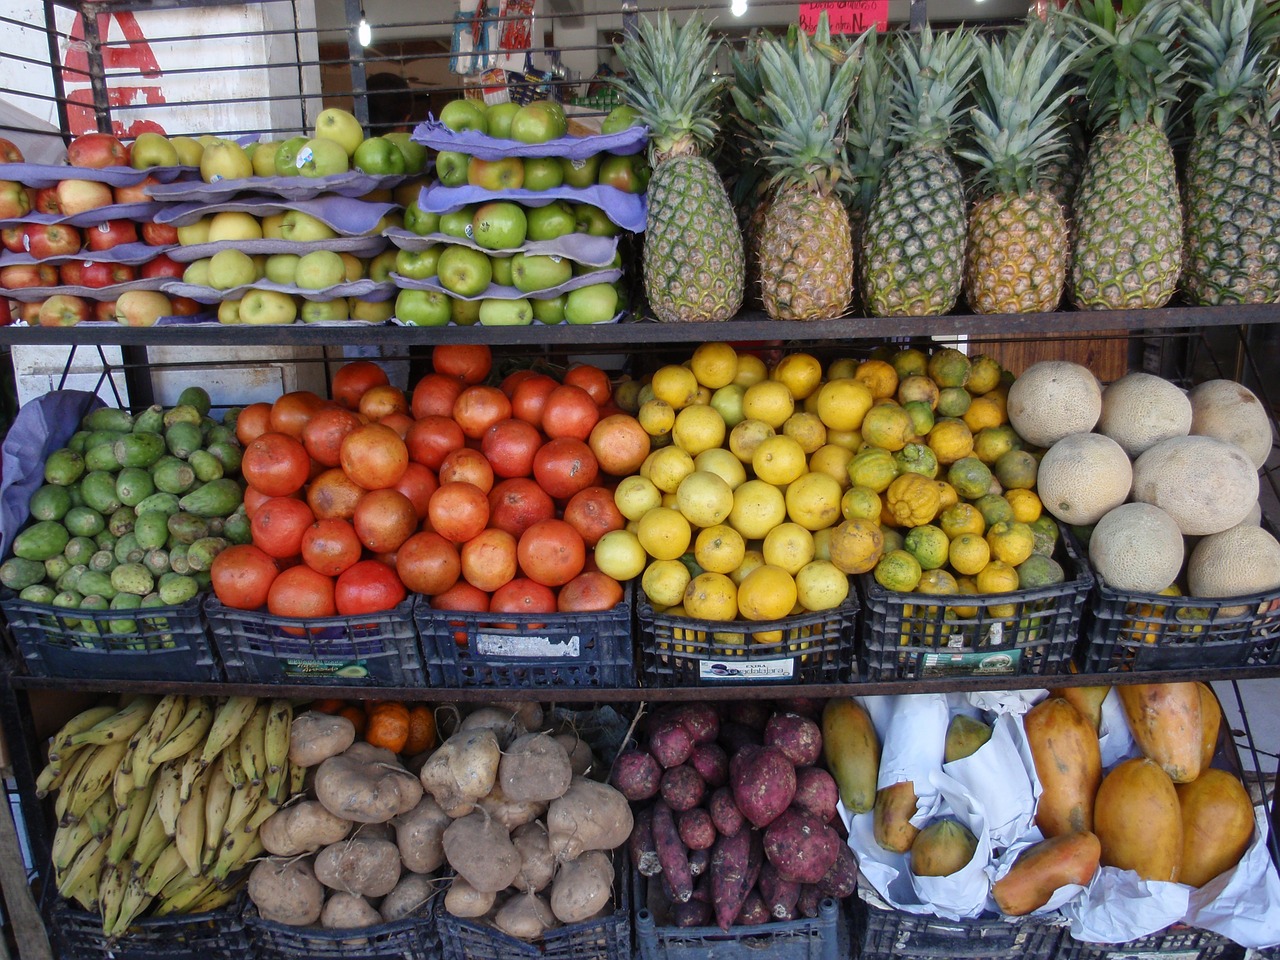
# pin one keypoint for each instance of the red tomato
(367, 587)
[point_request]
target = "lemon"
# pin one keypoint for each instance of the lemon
(832, 460)
(843, 403)
(873, 468)
(1016, 470)
(779, 460)
(949, 367)
(714, 365)
(951, 440)
(898, 571)
(789, 546)
(806, 429)
(801, 372)
(994, 508)
(767, 593)
(711, 596)
(820, 585)
(947, 496)
(918, 389)
(698, 428)
(657, 417)
(892, 538)
(704, 498)
(645, 394)
(723, 464)
(857, 545)
(928, 544)
(751, 369)
(913, 500)
(851, 440)
(627, 396)
(746, 436)
(620, 555)
(676, 385)
(961, 518)
(953, 401)
(984, 374)
(1011, 541)
(888, 426)
(879, 377)
(664, 533)
(668, 467)
(719, 549)
(822, 543)
(909, 362)
(997, 577)
(635, 496)
(937, 582)
(669, 500)
(1026, 505)
(751, 559)
(770, 401)
(990, 443)
(969, 553)
(984, 412)
(703, 396)
(922, 418)
(971, 477)
(664, 581)
(860, 503)
(810, 403)
(967, 588)
(758, 507)
(728, 403)
(813, 500)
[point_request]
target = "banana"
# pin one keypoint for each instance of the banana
(236, 852)
(135, 901)
(260, 814)
(191, 772)
(275, 746)
(168, 802)
(217, 804)
(100, 816)
(86, 894)
(117, 728)
(216, 898)
(151, 840)
(253, 754)
(231, 716)
(188, 836)
(297, 778)
(78, 724)
(193, 728)
(111, 892)
(87, 863)
(75, 767)
(67, 842)
(243, 804)
(232, 768)
(168, 867)
(164, 720)
(180, 895)
(95, 778)
(128, 824)
(122, 783)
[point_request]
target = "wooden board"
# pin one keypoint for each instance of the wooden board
(1105, 352)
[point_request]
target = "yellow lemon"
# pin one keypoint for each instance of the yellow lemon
(719, 549)
(961, 518)
(951, 440)
(698, 428)
(969, 553)
(806, 429)
(676, 385)
(997, 577)
(704, 498)
(860, 503)
(779, 460)
(813, 500)
(670, 500)
(857, 545)
(789, 546)
(810, 403)
(711, 596)
(843, 403)
(851, 440)
(1026, 505)
(770, 401)
(714, 364)
(751, 369)
(912, 500)
(758, 507)
(820, 585)
(657, 417)
(984, 374)
(873, 468)
(664, 533)
(984, 412)
(1011, 541)
(879, 376)
(723, 464)
(801, 372)
(746, 436)
(928, 544)
(751, 559)
(833, 461)
(767, 593)
(898, 571)
(668, 467)
(909, 362)
(822, 543)
(888, 426)
(918, 389)
(620, 554)
(949, 367)
(664, 581)
(990, 443)
(704, 396)
(635, 496)
(728, 403)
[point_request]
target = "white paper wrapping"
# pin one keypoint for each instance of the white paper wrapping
(1118, 906)
(1115, 742)
(997, 777)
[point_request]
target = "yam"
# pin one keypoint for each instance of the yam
(526, 916)
(364, 791)
(503, 721)
(816, 793)
(700, 719)
(367, 868)
(286, 891)
(315, 737)
(368, 753)
(780, 896)
(842, 879)
(693, 913)
(796, 736)
(673, 855)
(528, 713)
(801, 846)
(753, 714)
(301, 828)
(465, 901)
(696, 829)
(582, 887)
(682, 788)
(735, 866)
(753, 912)
(725, 815)
(810, 900)
(346, 911)
(537, 865)
(534, 767)
(590, 816)
(636, 774)
(581, 759)
(763, 782)
(508, 812)
(644, 851)
(480, 850)
(735, 736)
(670, 743)
(412, 895)
(418, 835)
(462, 770)
(699, 861)
(712, 764)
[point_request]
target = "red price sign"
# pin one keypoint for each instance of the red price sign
(846, 16)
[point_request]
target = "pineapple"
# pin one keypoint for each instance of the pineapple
(1128, 245)
(749, 194)
(1017, 256)
(913, 243)
(806, 252)
(868, 146)
(692, 244)
(1233, 168)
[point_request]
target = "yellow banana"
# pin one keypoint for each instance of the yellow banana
(217, 804)
(128, 824)
(216, 897)
(67, 842)
(243, 803)
(231, 716)
(164, 720)
(168, 801)
(236, 852)
(75, 767)
(168, 867)
(87, 863)
(188, 734)
(191, 772)
(180, 895)
(232, 768)
(252, 747)
(122, 783)
(95, 779)
(188, 836)
(78, 724)
(117, 728)
(133, 903)
(100, 816)
(275, 746)
(111, 892)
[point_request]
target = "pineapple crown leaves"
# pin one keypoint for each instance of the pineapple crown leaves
(867, 144)
(807, 86)
(1231, 58)
(1018, 121)
(932, 80)
(671, 84)
(743, 124)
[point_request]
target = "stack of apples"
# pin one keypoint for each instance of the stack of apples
(45, 251)
(482, 245)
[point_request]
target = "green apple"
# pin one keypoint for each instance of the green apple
(499, 119)
(371, 311)
(418, 264)
(380, 267)
(451, 168)
(504, 174)
(594, 222)
(542, 173)
(465, 313)
(324, 311)
(234, 225)
(628, 174)
(231, 268)
(282, 268)
(549, 310)
(320, 269)
(457, 223)
(380, 157)
(580, 173)
(229, 311)
(264, 158)
(419, 221)
(464, 271)
(423, 308)
(341, 126)
(152, 150)
(415, 154)
(499, 225)
(197, 273)
(194, 233)
(322, 157)
(353, 267)
(505, 313)
(224, 160)
(538, 122)
(615, 264)
(620, 118)
(287, 156)
(594, 304)
(556, 219)
(463, 114)
(189, 150)
(268, 308)
(539, 272)
(273, 227)
(501, 269)
(301, 227)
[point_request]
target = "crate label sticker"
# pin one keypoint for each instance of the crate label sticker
(497, 645)
(326, 668)
(751, 670)
(1153, 955)
(971, 664)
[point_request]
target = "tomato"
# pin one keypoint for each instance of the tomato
(367, 587)
(330, 546)
(489, 559)
(523, 597)
(593, 513)
(384, 519)
(458, 511)
(276, 464)
(569, 412)
(374, 456)
(428, 563)
(509, 446)
(241, 576)
(417, 483)
(333, 495)
(322, 435)
(253, 422)
(351, 380)
(432, 438)
(530, 396)
(564, 466)
(620, 444)
(589, 591)
(591, 379)
(469, 466)
(469, 362)
(300, 592)
(435, 395)
(514, 379)
(517, 504)
(478, 408)
(291, 412)
(551, 552)
(278, 525)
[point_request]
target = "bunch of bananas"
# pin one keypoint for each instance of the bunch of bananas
(161, 799)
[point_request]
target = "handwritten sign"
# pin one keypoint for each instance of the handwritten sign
(846, 16)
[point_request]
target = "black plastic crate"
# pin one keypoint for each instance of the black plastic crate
(218, 934)
(371, 649)
(160, 643)
(585, 649)
(413, 938)
(683, 651)
(1175, 943)
(888, 934)
(909, 636)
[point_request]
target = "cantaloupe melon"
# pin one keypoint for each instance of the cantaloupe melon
(1140, 409)
(1137, 547)
(1207, 485)
(1233, 563)
(1229, 411)
(1083, 476)
(1054, 398)
(1255, 514)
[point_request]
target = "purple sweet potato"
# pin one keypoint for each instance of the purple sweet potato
(801, 846)
(700, 719)
(644, 852)
(712, 763)
(735, 866)
(796, 736)
(810, 707)
(753, 912)
(681, 787)
(726, 816)
(701, 886)
(763, 782)
(816, 793)
(810, 898)
(672, 854)
(670, 742)
(780, 896)
(696, 829)
(694, 913)
(636, 774)
(735, 736)
(842, 879)
(699, 861)
(750, 713)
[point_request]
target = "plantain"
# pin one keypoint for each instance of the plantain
(78, 724)
(132, 904)
(128, 824)
(217, 804)
(87, 863)
(233, 714)
(236, 852)
(95, 778)
(168, 800)
(189, 830)
(253, 754)
(275, 745)
(117, 728)
(165, 718)
(167, 867)
(100, 816)
(191, 731)
(67, 842)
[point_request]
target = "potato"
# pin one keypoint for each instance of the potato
(590, 816)
(462, 770)
(508, 812)
(537, 865)
(582, 887)
(479, 849)
(412, 895)
(534, 767)
(418, 834)
(367, 868)
(581, 759)
(302, 828)
(504, 723)
(368, 753)
(525, 916)
(375, 831)
(286, 891)
(365, 791)
(314, 737)
(528, 713)
(346, 911)
(465, 901)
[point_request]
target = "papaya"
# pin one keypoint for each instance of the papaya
(942, 848)
(965, 736)
(1064, 747)
(1217, 825)
(1210, 723)
(891, 824)
(1044, 867)
(1167, 725)
(1088, 700)
(852, 751)
(1138, 820)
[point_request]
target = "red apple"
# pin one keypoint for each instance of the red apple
(112, 233)
(30, 312)
(137, 192)
(64, 310)
(159, 234)
(9, 152)
(99, 273)
(77, 196)
(161, 266)
(71, 273)
(6, 315)
(11, 238)
(47, 201)
(97, 150)
(26, 275)
(104, 310)
(184, 306)
(15, 201)
(46, 240)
